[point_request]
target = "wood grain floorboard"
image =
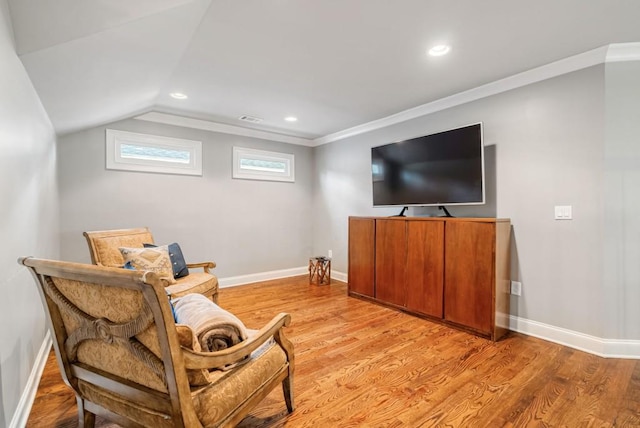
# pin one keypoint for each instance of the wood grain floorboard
(362, 365)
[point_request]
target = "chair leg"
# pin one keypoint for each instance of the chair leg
(86, 419)
(287, 388)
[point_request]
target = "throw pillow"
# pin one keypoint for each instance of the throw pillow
(152, 259)
(178, 263)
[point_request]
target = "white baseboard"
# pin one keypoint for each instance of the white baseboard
(340, 276)
(232, 281)
(21, 415)
(607, 348)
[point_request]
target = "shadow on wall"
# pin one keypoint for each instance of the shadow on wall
(489, 209)
(515, 308)
(3, 421)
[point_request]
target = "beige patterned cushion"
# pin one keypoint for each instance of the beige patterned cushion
(196, 282)
(229, 389)
(154, 259)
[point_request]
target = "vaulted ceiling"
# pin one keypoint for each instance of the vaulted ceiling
(333, 64)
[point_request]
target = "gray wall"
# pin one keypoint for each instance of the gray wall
(568, 140)
(545, 147)
(621, 281)
(245, 226)
(28, 218)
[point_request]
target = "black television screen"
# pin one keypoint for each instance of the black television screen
(446, 168)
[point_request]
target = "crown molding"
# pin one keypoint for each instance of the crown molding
(207, 125)
(557, 68)
(619, 52)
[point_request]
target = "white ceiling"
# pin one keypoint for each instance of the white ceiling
(334, 64)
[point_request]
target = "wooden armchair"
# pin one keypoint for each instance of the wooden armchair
(104, 248)
(120, 350)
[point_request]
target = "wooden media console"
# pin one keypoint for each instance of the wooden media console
(454, 270)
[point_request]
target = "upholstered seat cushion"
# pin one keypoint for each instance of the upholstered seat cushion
(142, 415)
(120, 350)
(104, 247)
(196, 282)
(229, 389)
(215, 401)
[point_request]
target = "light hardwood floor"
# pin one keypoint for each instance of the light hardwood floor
(362, 365)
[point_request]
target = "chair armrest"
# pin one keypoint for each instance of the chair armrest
(205, 265)
(219, 359)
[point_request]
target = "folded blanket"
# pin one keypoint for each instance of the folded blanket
(215, 328)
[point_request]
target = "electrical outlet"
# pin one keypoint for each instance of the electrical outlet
(516, 288)
(330, 253)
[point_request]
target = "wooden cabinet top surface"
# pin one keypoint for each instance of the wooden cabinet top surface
(474, 219)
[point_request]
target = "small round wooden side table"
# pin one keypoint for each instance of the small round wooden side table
(320, 270)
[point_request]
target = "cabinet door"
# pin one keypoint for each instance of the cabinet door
(425, 267)
(469, 278)
(391, 249)
(361, 256)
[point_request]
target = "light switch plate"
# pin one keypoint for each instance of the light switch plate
(563, 212)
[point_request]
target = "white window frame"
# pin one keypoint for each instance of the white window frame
(240, 153)
(115, 139)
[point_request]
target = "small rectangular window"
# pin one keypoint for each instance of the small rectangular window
(152, 153)
(252, 164)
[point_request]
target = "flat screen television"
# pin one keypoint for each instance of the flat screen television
(440, 169)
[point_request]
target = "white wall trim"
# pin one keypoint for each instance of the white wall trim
(340, 276)
(618, 52)
(207, 125)
(242, 172)
(557, 68)
(232, 281)
(21, 415)
(607, 348)
(115, 160)
(610, 53)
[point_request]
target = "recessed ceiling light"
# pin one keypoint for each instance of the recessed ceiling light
(439, 50)
(178, 95)
(291, 119)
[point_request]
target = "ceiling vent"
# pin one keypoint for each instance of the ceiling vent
(250, 119)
